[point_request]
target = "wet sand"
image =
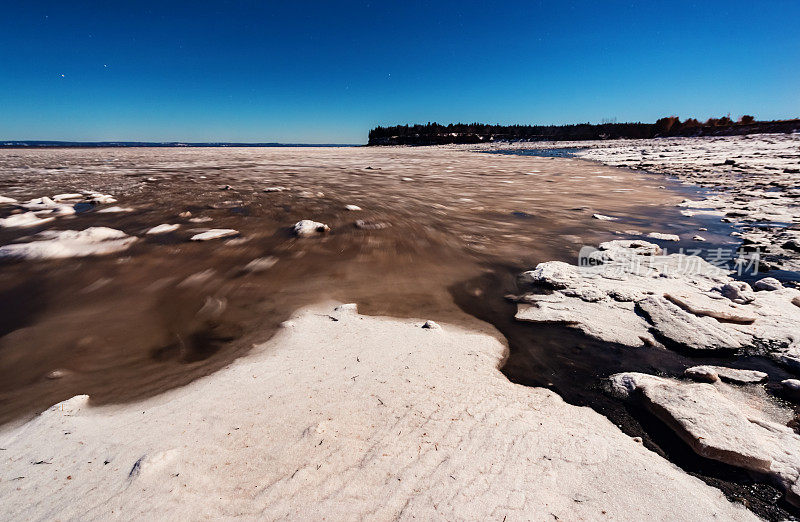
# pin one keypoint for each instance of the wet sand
(168, 310)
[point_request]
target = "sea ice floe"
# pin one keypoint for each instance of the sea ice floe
(370, 225)
(709, 373)
(664, 237)
(48, 204)
(260, 264)
(163, 229)
(26, 219)
(64, 197)
(602, 217)
(114, 210)
(215, 233)
(57, 244)
(100, 199)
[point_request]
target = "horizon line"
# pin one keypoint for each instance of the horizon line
(164, 144)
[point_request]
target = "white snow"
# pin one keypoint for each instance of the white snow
(163, 229)
(26, 219)
(45, 203)
(664, 237)
(215, 233)
(114, 210)
(63, 197)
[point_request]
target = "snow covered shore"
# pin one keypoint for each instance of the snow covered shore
(755, 181)
(630, 293)
(346, 416)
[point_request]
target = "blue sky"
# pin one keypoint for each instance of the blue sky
(326, 72)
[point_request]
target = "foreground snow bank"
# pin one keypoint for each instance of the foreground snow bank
(348, 418)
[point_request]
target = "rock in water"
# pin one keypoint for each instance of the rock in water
(215, 233)
(308, 228)
(352, 207)
(431, 325)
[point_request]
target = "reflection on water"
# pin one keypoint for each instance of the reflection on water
(169, 310)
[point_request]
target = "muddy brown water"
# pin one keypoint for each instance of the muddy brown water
(133, 324)
(455, 228)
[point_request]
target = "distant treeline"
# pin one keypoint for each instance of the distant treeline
(436, 134)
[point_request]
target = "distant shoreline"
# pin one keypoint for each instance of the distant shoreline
(43, 144)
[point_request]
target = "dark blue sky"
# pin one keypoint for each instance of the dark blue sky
(327, 71)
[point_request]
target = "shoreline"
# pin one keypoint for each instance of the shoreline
(466, 310)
